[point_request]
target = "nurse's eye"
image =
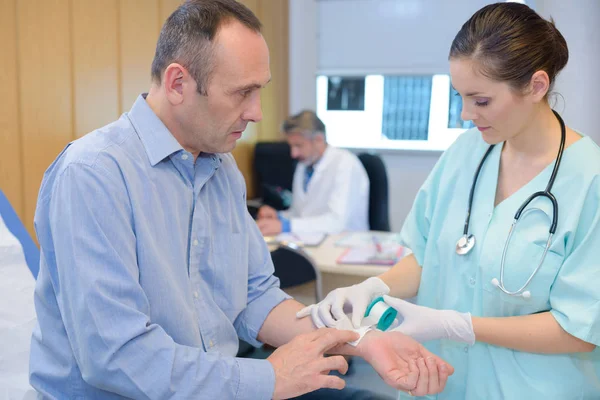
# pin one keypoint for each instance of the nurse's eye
(481, 102)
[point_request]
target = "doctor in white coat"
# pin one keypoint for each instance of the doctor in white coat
(17, 318)
(330, 191)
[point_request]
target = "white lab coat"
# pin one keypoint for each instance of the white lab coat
(337, 197)
(17, 318)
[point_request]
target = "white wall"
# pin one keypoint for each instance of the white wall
(579, 83)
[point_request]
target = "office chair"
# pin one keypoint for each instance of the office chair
(274, 171)
(379, 219)
(294, 267)
(16, 227)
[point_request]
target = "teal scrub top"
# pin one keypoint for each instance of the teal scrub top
(567, 284)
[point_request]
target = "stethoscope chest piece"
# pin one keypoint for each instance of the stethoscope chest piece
(465, 244)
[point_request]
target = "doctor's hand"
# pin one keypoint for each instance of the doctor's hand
(269, 226)
(267, 212)
(300, 366)
(424, 323)
(403, 363)
(357, 297)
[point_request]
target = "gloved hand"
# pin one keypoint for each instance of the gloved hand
(424, 323)
(330, 310)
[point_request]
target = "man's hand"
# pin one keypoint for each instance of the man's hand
(301, 368)
(269, 227)
(403, 363)
(267, 212)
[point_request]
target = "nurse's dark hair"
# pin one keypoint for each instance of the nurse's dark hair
(306, 122)
(187, 36)
(510, 42)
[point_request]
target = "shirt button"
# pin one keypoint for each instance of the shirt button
(472, 281)
(184, 156)
(196, 294)
(466, 349)
(195, 242)
(211, 344)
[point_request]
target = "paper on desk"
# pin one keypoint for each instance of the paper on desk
(358, 239)
(301, 239)
(389, 255)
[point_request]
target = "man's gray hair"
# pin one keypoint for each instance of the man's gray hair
(305, 122)
(187, 37)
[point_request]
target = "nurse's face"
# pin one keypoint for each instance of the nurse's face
(499, 112)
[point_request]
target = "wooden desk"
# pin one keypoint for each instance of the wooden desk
(333, 275)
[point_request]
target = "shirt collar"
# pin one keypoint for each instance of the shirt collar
(158, 142)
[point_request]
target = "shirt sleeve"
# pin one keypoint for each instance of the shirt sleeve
(415, 231)
(105, 311)
(575, 294)
(264, 293)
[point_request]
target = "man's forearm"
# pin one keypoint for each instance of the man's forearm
(281, 326)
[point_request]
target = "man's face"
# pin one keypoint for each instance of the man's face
(214, 122)
(302, 147)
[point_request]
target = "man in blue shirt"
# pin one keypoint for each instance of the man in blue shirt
(151, 267)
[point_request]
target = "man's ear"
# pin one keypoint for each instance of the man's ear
(175, 78)
(539, 86)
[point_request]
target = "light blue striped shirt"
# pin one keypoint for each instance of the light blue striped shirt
(151, 268)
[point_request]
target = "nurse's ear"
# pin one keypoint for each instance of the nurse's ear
(538, 86)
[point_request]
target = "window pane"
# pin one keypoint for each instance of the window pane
(454, 120)
(346, 93)
(406, 103)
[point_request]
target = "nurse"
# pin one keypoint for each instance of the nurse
(538, 343)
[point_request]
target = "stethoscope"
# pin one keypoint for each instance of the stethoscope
(466, 243)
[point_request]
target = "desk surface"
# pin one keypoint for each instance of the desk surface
(327, 253)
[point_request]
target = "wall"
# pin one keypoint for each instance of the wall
(579, 84)
(69, 67)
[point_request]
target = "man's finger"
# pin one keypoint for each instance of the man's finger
(442, 377)
(333, 363)
(332, 337)
(434, 378)
(330, 382)
(423, 383)
(409, 381)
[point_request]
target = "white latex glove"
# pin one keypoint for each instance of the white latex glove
(329, 311)
(424, 323)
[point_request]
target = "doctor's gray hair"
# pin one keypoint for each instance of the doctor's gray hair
(187, 37)
(305, 122)
(511, 42)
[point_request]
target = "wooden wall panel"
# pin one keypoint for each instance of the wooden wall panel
(136, 50)
(11, 175)
(95, 64)
(274, 15)
(72, 66)
(45, 81)
(166, 8)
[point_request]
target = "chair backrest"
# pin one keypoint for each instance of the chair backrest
(379, 219)
(294, 267)
(16, 227)
(274, 170)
